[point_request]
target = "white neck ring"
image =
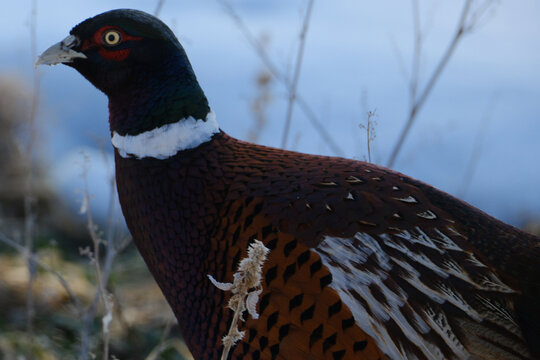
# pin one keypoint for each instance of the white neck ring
(167, 140)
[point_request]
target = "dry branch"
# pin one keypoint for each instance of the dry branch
(467, 22)
(159, 6)
(265, 58)
(293, 85)
(29, 199)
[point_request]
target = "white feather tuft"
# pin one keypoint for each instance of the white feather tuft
(221, 285)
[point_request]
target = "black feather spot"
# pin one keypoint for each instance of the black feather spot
(265, 231)
(316, 335)
(289, 271)
(238, 213)
(271, 245)
(338, 355)
(236, 259)
(265, 300)
(334, 309)
(274, 350)
(316, 266)
(228, 207)
(271, 274)
(245, 347)
(304, 257)
(252, 334)
(359, 345)
(326, 280)
(347, 323)
(329, 342)
(236, 235)
(263, 341)
(272, 320)
(290, 246)
(307, 314)
(248, 221)
(257, 208)
(284, 331)
(296, 301)
(256, 355)
(249, 199)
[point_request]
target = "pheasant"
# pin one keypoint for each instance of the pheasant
(363, 262)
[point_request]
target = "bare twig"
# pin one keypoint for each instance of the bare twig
(112, 248)
(158, 7)
(265, 58)
(466, 24)
(477, 148)
(95, 259)
(400, 59)
(166, 343)
(370, 130)
(167, 330)
(259, 105)
(296, 75)
(29, 199)
(481, 13)
(90, 312)
(171, 343)
(417, 53)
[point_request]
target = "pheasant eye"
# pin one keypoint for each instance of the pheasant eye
(112, 37)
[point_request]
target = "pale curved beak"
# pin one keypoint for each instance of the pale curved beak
(61, 52)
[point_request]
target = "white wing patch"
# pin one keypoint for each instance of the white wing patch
(417, 293)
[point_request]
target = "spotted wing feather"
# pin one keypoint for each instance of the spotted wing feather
(405, 261)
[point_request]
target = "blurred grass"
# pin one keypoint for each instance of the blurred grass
(141, 312)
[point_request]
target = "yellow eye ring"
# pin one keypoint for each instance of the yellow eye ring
(112, 37)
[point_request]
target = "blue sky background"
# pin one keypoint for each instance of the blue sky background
(490, 89)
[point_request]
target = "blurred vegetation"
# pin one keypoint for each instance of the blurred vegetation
(142, 321)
